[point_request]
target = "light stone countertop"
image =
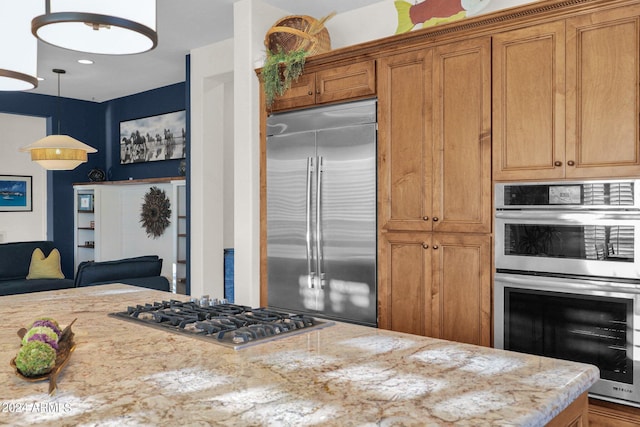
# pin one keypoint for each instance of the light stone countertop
(125, 374)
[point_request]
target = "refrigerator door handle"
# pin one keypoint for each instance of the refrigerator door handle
(310, 272)
(319, 256)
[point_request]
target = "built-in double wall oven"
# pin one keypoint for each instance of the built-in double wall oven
(567, 280)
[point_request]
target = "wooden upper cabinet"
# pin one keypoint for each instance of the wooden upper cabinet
(603, 78)
(528, 103)
(340, 83)
(405, 141)
(300, 94)
(434, 139)
(565, 98)
(462, 137)
(346, 82)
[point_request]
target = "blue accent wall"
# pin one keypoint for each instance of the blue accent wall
(151, 103)
(82, 120)
(96, 124)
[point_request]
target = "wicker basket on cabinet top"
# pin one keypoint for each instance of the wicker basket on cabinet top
(299, 32)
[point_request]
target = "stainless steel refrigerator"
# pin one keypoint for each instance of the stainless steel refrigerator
(321, 212)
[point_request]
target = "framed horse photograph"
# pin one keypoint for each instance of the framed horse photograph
(149, 139)
(16, 193)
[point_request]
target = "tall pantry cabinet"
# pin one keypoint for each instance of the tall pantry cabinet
(434, 197)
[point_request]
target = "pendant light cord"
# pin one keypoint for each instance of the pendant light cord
(58, 104)
(58, 71)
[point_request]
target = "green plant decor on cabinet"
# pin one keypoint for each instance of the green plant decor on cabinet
(280, 69)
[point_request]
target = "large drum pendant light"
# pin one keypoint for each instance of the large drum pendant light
(59, 152)
(111, 27)
(19, 49)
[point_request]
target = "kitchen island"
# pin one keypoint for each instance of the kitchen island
(122, 373)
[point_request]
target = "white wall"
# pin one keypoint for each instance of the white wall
(134, 240)
(368, 23)
(380, 20)
(228, 169)
(17, 131)
(118, 210)
(212, 130)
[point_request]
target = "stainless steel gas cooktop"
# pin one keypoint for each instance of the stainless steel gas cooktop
(231, 325)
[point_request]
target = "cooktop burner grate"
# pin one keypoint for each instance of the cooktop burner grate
(231, 325)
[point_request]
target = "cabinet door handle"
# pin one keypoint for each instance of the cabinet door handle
(318, 92)
(435, 247)
(425, 246)
(557, 163)
(310, 93)
(435, 219)
(571, 163)
(425, 218)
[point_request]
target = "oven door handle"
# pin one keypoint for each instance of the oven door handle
(568, 216)
(569, 284)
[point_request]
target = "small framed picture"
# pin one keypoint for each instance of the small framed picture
(15, 193)
(85, 202)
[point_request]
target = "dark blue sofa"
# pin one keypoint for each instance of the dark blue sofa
(15, 259)
(139, 271)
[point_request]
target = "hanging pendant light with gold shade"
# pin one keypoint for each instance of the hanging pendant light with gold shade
(113, 27)
(58, 152)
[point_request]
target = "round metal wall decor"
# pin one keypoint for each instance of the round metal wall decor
(156, 211)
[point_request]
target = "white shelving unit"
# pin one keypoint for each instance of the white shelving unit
(84, 225)
(179, 213)
(113, 225)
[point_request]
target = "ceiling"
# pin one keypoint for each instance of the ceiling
(181, 25)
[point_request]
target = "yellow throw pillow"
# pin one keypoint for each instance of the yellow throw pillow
(45, 267)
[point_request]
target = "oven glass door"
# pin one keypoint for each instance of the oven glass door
(594, 244)
(581, 328)
(579, 320)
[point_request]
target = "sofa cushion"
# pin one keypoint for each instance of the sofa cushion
(22, 286)
(159, 283)
(111, 271)
(15, 258)
(45, 267)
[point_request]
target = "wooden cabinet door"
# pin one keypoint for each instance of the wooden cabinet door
(603, 77)
(609, 414)
(405, 141)
(300, 94)
(342, 83)
(436, 284)
(347, 82)
(528, 103)
(462, 137)
(461, 289)
(404, 282)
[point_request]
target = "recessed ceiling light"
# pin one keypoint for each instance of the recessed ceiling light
(85, 61)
